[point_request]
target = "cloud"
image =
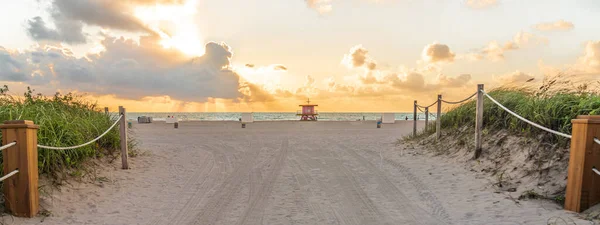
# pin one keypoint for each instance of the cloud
(590, 61)
(70, 16)
(67, 31)
(321, 6)
(559, 25)
(127, 70)
(480, 4)
(358, 57)
(279, 67)
(435, 52)
(516, 77)
(453, 82)
(494, 51)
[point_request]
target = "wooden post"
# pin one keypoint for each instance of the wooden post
(479, 122)
(583, 185)
(438, 119)
(426, 118)
(106, 110)
(123, 132)
(21, 190)
(415, 119)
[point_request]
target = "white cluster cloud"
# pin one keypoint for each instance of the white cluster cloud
(321, 6)
(590, 61)
(480, 4)
(358, 57)
(494, 51)
(559, 25)
(516, 77)
(436, 52)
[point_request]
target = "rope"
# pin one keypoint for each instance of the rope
(84, 144)
(428, 105)
(8, 175)
(595, 170)
(523, 119)
(461, 101)
(8, 145)
(597, 140)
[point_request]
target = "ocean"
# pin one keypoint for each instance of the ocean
(269, 116)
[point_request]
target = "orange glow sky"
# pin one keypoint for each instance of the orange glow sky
(271, 55)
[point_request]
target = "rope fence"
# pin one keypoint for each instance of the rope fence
(84, 144)
(595, 170)
(432, 104)
(8, 145)
(525, 120)
(461, 101)
(8, 175)
(583, 152)
(22, 153)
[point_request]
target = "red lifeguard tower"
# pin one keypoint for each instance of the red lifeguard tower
(308, 112)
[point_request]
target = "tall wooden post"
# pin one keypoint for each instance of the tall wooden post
(479, 122)
(426, 118)
(438, 119)
(583, 185)
(415, 119)
(106, 110)
(21, 190)
(123, 132)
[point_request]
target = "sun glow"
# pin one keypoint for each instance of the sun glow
(175, 25)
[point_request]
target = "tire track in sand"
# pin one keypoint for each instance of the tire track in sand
(365, 212)
(418, 214)
(200, 191)
(254, 212)
(203, 171)
(223, 194)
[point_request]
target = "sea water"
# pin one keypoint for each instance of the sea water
(270, 116)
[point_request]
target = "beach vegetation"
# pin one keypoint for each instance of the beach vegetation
(64, 120)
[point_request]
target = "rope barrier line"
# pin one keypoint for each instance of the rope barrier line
(525, 120)
(429, 105)
(596, 171)
(8, 175)
(461, 101)
(597, 140)
(84, 144)
(8, 145)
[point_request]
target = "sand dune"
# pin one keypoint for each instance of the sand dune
(286, 173)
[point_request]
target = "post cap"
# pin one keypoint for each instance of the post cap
(18, 124)
(587, 119)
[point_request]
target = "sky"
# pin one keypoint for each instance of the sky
(271, 55)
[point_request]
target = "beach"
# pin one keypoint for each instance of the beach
(286, 173)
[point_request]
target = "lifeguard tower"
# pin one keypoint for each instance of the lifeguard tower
(308, 112)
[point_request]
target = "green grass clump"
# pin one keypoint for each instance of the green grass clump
(64, 120)
(552, 110)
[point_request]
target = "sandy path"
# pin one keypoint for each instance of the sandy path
(286, 173)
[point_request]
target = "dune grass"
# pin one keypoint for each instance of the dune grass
(64, 120)
(546, 105)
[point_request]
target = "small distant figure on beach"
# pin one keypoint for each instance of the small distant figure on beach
(406, 118)
(240, 119)
(363, 118)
